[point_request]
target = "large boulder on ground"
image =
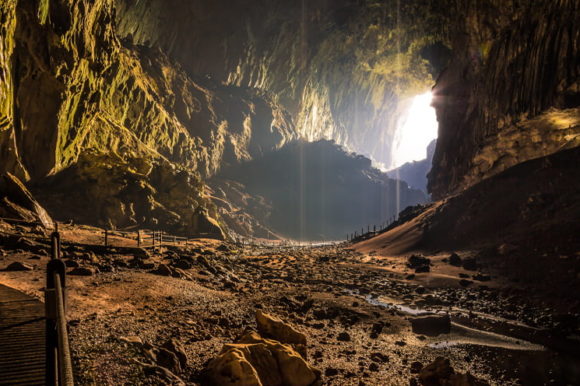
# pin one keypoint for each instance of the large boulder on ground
(256, 361)
(17, 202)
(271, 327)
(204, 225)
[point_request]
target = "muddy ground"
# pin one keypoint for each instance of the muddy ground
(355, 309)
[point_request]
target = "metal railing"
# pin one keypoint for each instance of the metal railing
(58, 359)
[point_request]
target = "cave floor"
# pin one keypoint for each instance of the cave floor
(498, 334)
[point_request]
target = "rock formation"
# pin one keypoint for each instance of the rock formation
(17, 203)
(511, 92)
(71, 87)
(254, 360)
(198, 86)
(338, 67)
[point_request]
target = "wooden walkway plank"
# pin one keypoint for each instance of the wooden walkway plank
(22, 339)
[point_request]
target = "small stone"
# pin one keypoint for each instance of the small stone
(71, 263)
(132, 339)
(379, 357)
(18, 266)
(343, 337)
(162, 270)
(470, 264)
(82, 271)
(455, 260)
(416, 367)
(331, 372)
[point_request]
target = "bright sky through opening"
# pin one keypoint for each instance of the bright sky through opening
(415, 130)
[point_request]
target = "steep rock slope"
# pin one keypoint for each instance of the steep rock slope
(523, 223)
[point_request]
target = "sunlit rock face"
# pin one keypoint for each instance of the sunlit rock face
(511, 92)
(203, 85)
(69, 85)
(339, 67)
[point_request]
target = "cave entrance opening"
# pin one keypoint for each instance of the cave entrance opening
(415, 129)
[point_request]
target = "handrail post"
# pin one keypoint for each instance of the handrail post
(106, 237)
(138, 238)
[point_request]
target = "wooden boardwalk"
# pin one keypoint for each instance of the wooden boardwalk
(22, 339)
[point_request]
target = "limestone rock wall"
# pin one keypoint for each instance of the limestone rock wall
(339, 67)
(510, 94)
(69, 85)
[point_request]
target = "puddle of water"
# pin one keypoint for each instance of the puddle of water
(390, 303)
(461, 335)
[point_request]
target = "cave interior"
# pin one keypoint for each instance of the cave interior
(283, 192)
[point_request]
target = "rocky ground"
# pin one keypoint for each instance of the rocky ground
(160, 316)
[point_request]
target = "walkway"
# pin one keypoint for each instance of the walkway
(22, 335)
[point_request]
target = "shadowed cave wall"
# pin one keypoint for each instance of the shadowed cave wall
(167, 93)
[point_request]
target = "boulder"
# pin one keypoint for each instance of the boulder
(141, 253)
(82, 271)
(455, 260)
(167, 359)
(175, 347)
(162, 373)
(17, 202)
(256, 361)
(415, 261)
(432, 374)
(71, 263)
(272, 327)
(440, 373)
(470, 264)
(431, 325)
(18, 266)
(183, 264)
(162, 270)
(419, 263)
